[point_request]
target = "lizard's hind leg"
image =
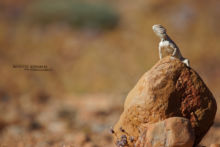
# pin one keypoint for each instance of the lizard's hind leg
(186, 61)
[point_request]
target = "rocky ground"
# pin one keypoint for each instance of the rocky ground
(70, 121)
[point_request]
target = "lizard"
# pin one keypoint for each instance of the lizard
(167, 44)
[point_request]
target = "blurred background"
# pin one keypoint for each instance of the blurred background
(97, 50)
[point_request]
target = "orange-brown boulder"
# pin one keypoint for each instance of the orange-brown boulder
(168, 89)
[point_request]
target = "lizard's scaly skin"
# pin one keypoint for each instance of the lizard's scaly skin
(167, 44)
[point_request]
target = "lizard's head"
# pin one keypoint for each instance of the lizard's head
(159, 30)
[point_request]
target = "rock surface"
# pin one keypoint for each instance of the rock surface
(172, 132)
(215, 145)
(168, 89)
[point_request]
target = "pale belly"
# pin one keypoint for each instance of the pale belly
(166, 49)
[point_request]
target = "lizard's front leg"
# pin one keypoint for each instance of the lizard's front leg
(160, 52)
(174, 52)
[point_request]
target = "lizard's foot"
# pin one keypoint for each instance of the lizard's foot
(186, 61)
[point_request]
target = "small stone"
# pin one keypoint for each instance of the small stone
(172, 132)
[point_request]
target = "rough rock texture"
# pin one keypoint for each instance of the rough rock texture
(172, 132)
(215, 145)
(168, 89)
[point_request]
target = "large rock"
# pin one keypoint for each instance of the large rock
(168, 89)
(172, 132)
